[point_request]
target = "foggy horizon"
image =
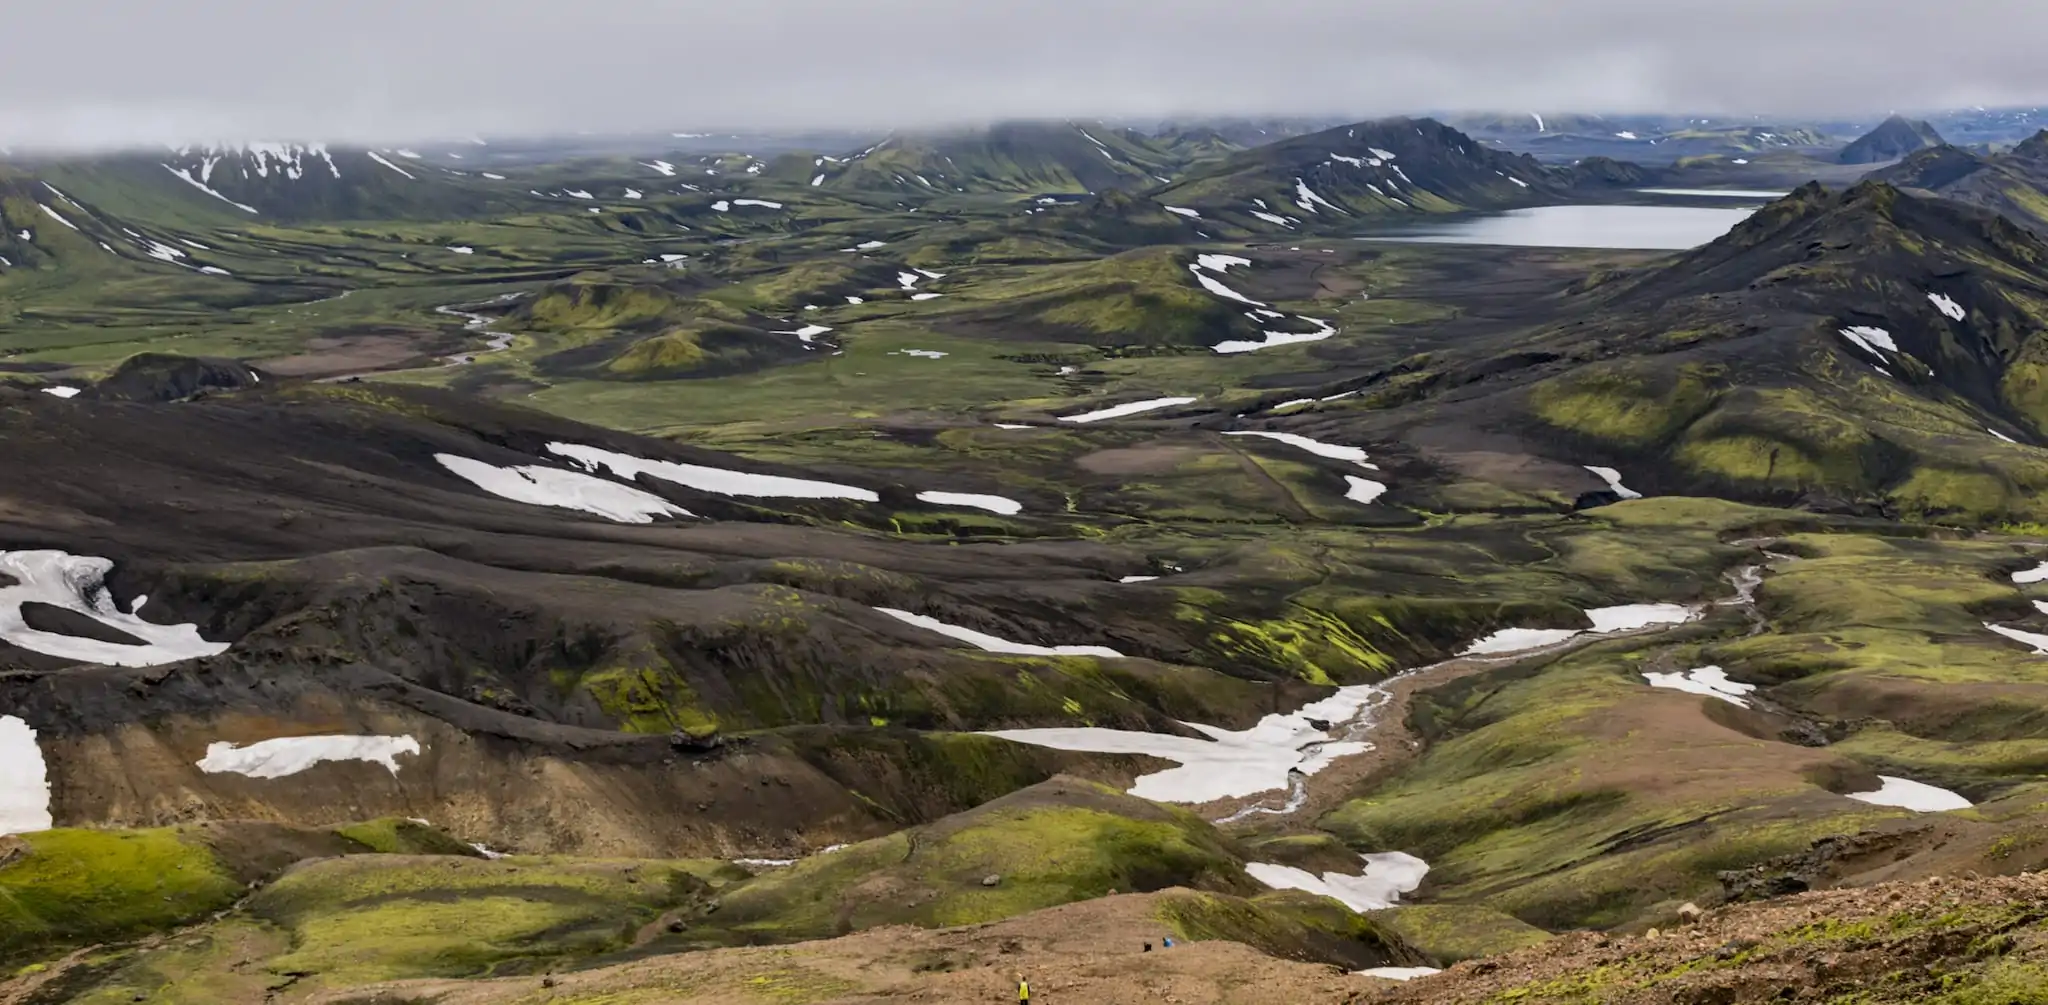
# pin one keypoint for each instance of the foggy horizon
(381, 72)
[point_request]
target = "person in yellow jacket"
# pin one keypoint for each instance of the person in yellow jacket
(1023, 989)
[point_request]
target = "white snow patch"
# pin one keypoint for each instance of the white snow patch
(1184, 211)
(24, 779)
(1364, 490)
(663, 168)
(1908, 794)
(1871, 339)
(290, 755)
(1333, 451)
(1323, 330)
(990, 643)
(494, 177)
(1211, 284)
(213, 271)
(1613, 480)
(1397, 973)
(78, 584)
(1307, 199)
(926, 296)
(1519, 181)
(2037, 574)
(707, 479)
(1222, 263)
(2000, 435)
(807, 332)
(62, 392)
(1387, 876)
(868, 246)
(539, 485)
(722, 206)
(1625, 134)
(994, 504)
(2038, 641)
(1228, 763)
(1712, 682)
(1127, 580)
(1132, 408)
(1014, 425)
(1273, 218)
(855, 300)
(763, 203)
(462, 249)
(375, 157)
(921, 353)
(1606, 620)
(634, 193)
(186, 176)
(1948, 306)
(55, 216)
(1539, 122)
(819, 180)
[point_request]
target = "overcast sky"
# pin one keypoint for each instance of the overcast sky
(104, 72)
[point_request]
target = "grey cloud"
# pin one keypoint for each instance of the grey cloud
(96, 72)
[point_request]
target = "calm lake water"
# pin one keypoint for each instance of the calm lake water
(1657, 228)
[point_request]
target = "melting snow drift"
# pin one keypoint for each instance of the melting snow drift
(77, 584)
(706, 479)
(1908, 794)
(994, 504)
(1387, 876)
(1606, 620)
(539, 485)
(1133, 408)
(290, 755)
(1712, 682)
(1229, 763)
(24, 779)
(1613, 480)
(990, 643)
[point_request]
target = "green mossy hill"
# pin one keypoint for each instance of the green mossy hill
(1143, 298)
(398, 836)
(67, 887)
(610, 328)
(370, 918)
(1453, 933)
(1568, 792)
(1055, 843)
(1289, 924)
(1728, 373)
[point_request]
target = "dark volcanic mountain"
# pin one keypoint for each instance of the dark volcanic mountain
(1838, 348)
(2014, 183)
(1893, 138)
(1385, 168)
(1021, 157)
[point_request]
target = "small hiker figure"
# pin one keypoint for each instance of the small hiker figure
(1168, 942)
(1023, 989)
(1148, 946)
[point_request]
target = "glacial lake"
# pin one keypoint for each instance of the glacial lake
(1652, 228)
